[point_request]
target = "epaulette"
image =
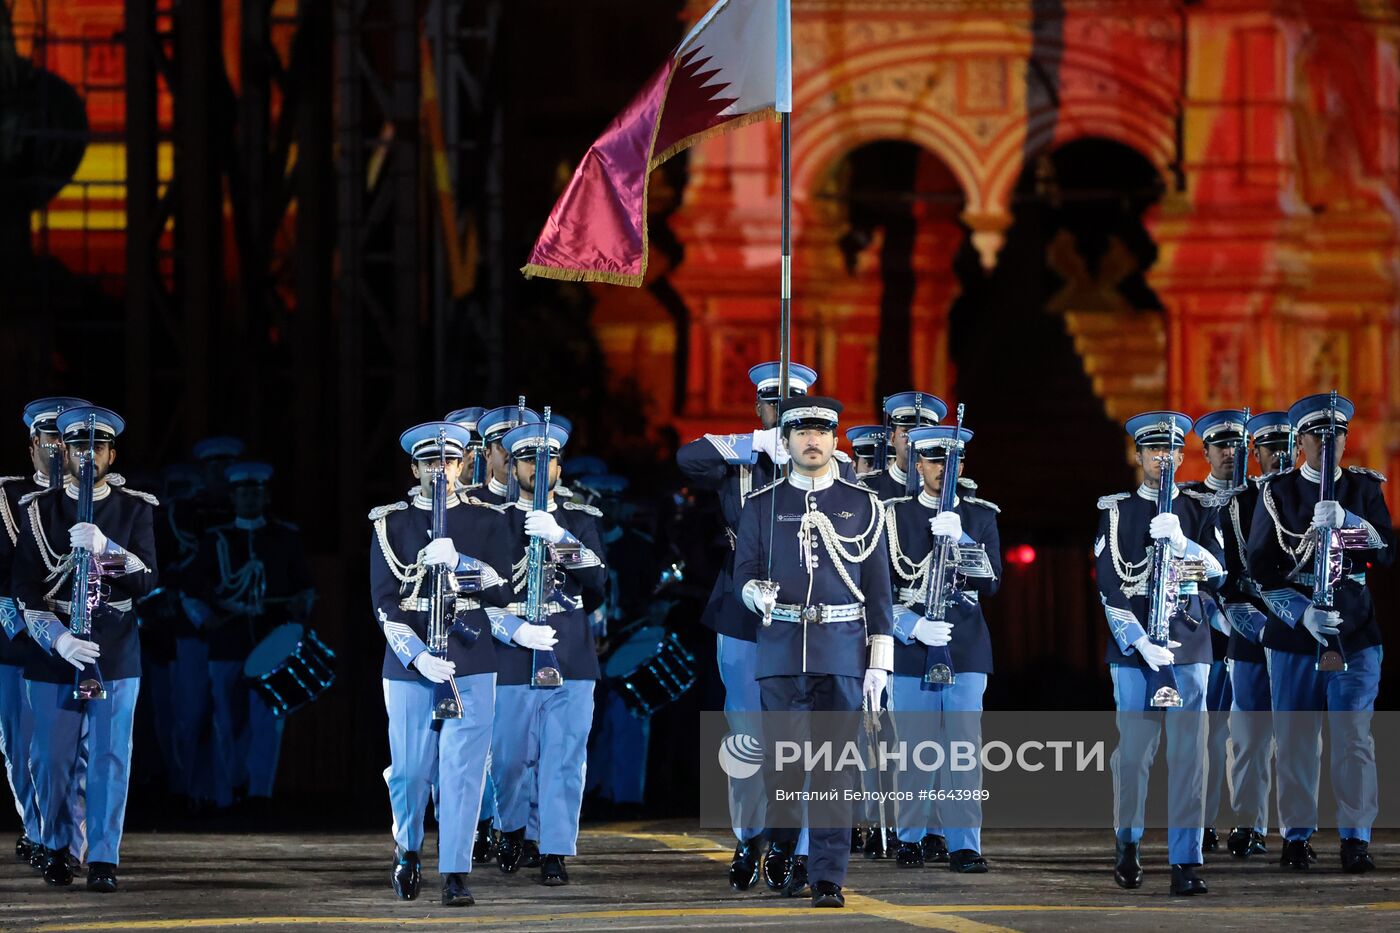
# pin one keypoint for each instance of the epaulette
(1367, 471)
(146, 496)
(378, 512)
(561, 490)
(842, 456)
(115, 479)
(894, 501)
(967, 483)
(868, 473)
(773, 485)
(1207, 499)
(845, 482)
(31, 496)
(9, 479)
(587, 509)
(982, 502)
(1111, 502)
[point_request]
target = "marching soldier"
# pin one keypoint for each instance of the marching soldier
(912, 525)
(493, 427)
(120, 543)
(452, 751)
(1128, 527)
(735, 465)
(1223, 440)
(250, 577)
(865, 441)
(812, 562)
(1251, 750)
(1282, 540)
(16, 717)
(541, 732)
(903, 412)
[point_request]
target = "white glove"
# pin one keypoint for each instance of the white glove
(535, 637)
(873, 687)
(75, 651)
(1168, 526)
(1154, 654)
(1328, 514)
(540, 524)
(764, 600)
(947, 524)
(933, 633)
(437, 670)
(1322, 622)
(89, 537)
(439, 551)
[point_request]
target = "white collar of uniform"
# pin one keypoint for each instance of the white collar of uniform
(528, 505)
(98, 492)
(249, 524)
(498, 488)
(41, 480)
(1315, 476)
(425, 503)
(1151, 494)
(929, 501)
(898, 475)
(813, 483)
(1218, 485)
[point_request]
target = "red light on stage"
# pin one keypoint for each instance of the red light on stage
(1022, 554)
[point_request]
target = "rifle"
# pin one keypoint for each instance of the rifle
(1239, 474)
(1168, 573)
(911, 478)
(544, 663)
(88, 569)
(444, 584)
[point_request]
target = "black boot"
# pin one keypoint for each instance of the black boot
(777, 865)
(1185, 882)
(38, 857)
(935, 848)
(857, 840)
(743, 868)
(827, 894)
(1127, 870)
(406, 875)
(1295, 854)
(1245, 841)
(1309, 851)
(909, 855)
(552, 871)
(797, 877)
(455, 892)
(484, 849)
(1356, 857)
(102, 877)
(531, 857)
(57, 872)
(1210, 839)
(24, 846)
(967, 862)
(511, 850)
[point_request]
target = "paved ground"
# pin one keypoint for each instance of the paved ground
(660, 876)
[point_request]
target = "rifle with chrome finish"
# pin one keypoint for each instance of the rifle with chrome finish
(1168, 574)
(444, 585)
(88, 569)
(541, 571)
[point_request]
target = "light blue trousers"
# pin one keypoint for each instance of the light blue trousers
(539, 758)
(921, 817)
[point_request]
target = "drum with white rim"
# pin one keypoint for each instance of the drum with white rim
(290, 668)
(650, 669)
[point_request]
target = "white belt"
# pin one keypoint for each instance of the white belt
(820, 614)
(423, 604)
(1307, 579)
(518, 609)
(908, 595)
(63, 605)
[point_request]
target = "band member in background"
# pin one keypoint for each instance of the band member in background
(865, 440)
(16, 718)
(541, 734)
(1223, 439)
(449, 752)
(1251, 749)
(251, 576)
(1129, 525)
(812, 560)
(904, 411)
(912, 524)
(1282, 540)
(734, 465)
(120, 542)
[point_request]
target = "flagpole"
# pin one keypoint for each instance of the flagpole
(785, 325)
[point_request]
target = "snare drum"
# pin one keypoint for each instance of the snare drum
(290, 668)
(650, 669)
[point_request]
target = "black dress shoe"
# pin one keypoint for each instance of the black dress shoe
(968, 862)
(510, 850)
(1295, 854)
(1210, 839)
(1127, 870)
(531, 857)
(857, 840)
(909, 855)
(406, 875)
(935, 848)
(1185, 882)
(56, 869)
(797, 877)
(777, 865)
(484, 849)
(1356, 857)
(827, 894)
(1245, 841)
(38, 857)
(743, 868)
(455, 892)
(23, 846)
(1311, 853)
(552, 871)
(102, 877)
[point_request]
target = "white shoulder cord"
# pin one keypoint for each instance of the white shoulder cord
(835, 543)
(404, 573)
(917, 575)
(1131, 574)
(1304, 548)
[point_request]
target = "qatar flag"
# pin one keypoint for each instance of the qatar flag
(733, 68)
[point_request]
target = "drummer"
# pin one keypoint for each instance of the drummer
(250, 576)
